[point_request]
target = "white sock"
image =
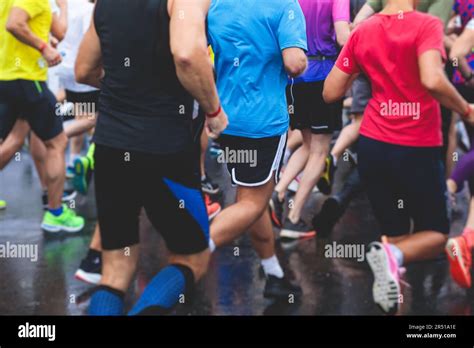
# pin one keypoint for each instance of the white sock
(272, 267)
(398, 254)
(212, 245)
(334, 158)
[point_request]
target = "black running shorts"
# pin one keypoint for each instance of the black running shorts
(405, 185)
(168, 187)
(308, 110)
(252, 162)
(30, 100)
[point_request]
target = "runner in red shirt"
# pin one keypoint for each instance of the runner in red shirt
(400, 161)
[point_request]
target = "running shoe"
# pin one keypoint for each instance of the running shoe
(276, 209)
(299, 230)
(209, 187)
(327, 179)
(68, 195)
(83, 169)
(280, 288)
(213, 208)
(70, 173)
(68, 222)
(215, 150)
(386, 288)
(460, 260)
(3, 205)
(90, 270)
(326, 219)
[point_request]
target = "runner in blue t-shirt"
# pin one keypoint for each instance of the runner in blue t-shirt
(257, 44)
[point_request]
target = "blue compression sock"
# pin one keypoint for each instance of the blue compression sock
(164, 291)
(56, 212)
(106, 302)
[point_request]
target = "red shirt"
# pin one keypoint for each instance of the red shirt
(386, 48)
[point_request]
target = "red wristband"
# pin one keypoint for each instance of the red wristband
(468, 111)
(216, 113)
(42, 47)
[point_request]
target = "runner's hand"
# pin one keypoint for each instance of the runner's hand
(216, 125)
(470, 118)
(61, 3)
(51, 55)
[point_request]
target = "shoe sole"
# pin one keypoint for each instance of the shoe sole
(69, 197)
(276, 221)
(213, 215)
(89, 278)
(456, 263)
(386, 290)
(297, 235)
(56, 229)
(211, 192)
(80, 180)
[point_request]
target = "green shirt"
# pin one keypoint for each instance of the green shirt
(439, 8)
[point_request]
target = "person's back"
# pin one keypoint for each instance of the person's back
(143, 106)
(248, 37)
(401, 110)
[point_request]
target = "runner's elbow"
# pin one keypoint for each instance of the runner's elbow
(432, 82)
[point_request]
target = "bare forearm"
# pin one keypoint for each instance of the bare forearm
(365, 12)
(59, 27)
(449, 97)
(22, 32)
(197, 77)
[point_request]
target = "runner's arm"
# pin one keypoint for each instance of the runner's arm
(365, 12)
(295, 61)
(337, 84)
(17, 25)
(460, 49)
(343, 31)
(435, 81)
(89, 69)
(59, 23)
(190, 51)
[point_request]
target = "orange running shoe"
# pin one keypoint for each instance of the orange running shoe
(213, 208)
(460, 260)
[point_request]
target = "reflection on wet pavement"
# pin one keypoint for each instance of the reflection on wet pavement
(234, 284)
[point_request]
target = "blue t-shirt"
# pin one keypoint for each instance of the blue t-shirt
(248, 37)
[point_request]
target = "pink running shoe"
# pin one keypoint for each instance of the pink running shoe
(386, 288)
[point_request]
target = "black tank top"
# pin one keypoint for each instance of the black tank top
(143, 106)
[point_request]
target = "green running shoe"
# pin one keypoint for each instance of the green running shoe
(83, 167)
(3, 205)
(68, 221)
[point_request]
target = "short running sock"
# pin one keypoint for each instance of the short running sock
(271, 266)
(106, 302)
(334, 159)
(164, 291)
(212, 245)
(56, 212)
(203, 177)
(397, 253)
(468, 233)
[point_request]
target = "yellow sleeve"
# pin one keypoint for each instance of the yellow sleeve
(32, 7)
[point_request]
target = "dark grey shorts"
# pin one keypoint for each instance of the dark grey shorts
(361, 94)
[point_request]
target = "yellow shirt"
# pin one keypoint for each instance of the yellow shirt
(19, 61)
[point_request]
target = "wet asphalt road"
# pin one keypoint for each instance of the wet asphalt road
(234, 284)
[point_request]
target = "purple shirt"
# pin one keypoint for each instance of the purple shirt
(320, 18)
